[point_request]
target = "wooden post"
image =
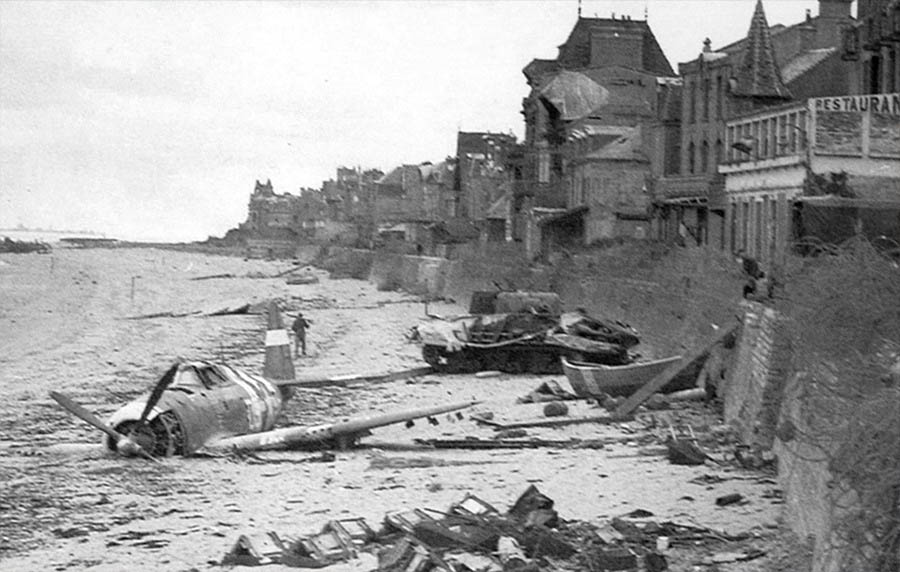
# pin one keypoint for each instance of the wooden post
(655, 384)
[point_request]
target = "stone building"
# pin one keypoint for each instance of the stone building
(771, 66)
(603, 87)
(873, 44)
(276, 223)
(410, 198)
(484, 183)
(270, 213)
(350, 197)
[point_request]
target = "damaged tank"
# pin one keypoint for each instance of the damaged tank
(522, 332)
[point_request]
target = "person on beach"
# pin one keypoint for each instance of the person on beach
(299, 328)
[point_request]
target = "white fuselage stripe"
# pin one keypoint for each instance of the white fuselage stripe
(277, 338)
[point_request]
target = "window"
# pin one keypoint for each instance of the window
(706, 99)
(719, 151)
(543, 167)
(704, 157)
(692, 102)
(719, 97)
(691, 158)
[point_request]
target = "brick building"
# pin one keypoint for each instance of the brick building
(604, 86)
(873, 44)
(771, 66)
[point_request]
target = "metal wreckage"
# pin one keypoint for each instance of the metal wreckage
(473, 535)
(201, 408)
(522, 332)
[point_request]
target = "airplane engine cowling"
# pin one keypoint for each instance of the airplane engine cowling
(162, 436)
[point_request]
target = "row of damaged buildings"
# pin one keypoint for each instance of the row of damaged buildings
(427, 207)
(788, 133)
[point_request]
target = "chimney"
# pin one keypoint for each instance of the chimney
(834, 16)
(807, 33)
(835, 9)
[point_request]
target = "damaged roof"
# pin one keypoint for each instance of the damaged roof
(627, 146)
(574, 95)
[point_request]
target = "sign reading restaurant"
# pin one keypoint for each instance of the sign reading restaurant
(885, 103)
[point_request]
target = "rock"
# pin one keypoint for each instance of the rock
(657, 402)
(484, 374)
(556, 409)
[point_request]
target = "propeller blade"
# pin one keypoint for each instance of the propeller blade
(85, 415)
(80, 412)
(164, 382)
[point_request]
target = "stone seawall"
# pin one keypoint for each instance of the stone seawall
(770, 408)
(755, 383)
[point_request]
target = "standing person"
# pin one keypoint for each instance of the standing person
(752, 272)
(299, 328)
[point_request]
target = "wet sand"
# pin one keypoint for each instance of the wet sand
(67, 505)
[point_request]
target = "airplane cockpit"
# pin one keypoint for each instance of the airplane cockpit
(198, 376)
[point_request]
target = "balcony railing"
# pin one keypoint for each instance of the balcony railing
(690, 186)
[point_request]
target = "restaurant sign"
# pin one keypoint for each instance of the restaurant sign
(884, 103)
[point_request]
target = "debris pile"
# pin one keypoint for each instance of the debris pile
(473, 535)
(23, 247)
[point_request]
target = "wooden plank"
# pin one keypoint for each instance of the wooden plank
(602, 420)
(657, 383)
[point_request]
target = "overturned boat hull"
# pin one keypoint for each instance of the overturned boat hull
(597, 380)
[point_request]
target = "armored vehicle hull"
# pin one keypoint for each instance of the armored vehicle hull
(529, 335)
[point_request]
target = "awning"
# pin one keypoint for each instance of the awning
(686, 201)
(567, 216)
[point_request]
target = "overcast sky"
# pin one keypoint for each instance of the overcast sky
(151, 120)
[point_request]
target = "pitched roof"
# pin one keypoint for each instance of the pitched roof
(758, 74)
(575, 52)
(804, 62)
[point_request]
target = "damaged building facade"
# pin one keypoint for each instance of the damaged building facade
(484, 184)
(770, 67)
(590, 122)
(617, 145)
(276, 222)
(822, 170)
(411, 199)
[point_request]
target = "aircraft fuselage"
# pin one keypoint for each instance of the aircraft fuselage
(205, 402)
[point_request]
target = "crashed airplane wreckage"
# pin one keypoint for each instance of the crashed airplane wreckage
(202, 407)
(519, 332)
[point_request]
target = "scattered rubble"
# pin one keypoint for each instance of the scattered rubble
(473, 535)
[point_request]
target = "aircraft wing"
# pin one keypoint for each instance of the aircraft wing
(340, 434)
(314, 380)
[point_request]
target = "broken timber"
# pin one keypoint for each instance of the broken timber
(509, 443)
(602, 420)
(655, 384)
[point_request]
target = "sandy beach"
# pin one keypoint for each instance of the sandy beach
(67, 505)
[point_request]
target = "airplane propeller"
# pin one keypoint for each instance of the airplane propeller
(164, 382)
(123, 443)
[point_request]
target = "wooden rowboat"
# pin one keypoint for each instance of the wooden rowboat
(595, 380)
